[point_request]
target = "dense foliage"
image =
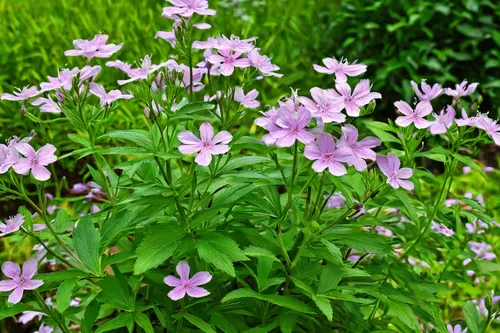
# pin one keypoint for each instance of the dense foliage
(155, 197)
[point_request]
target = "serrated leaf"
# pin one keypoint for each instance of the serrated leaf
(253, 251)
(139, 137)
(64, 293)
(124, 319)
(331, 276)
(403, 312)
(86, 239)
(220, 251)
(324, 305)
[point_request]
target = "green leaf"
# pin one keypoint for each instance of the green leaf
(253, 251)
(115, 293)
(324, 305)
(64, 293)
(244, 162)
(288, 319)
(14, 310)
(283, 301)
(222, 323)
(143, 321)
(139, 137)
(124, 319)
(158, 246)
(331, 276)
(80, 140)
(470, 162)
(86, 240)
(220, 251)
(403, 312)
(61, 275)
(202, 325)
(381, 131)
(90, 316)
(472, 317)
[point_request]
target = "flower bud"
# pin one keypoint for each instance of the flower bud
(23, 109)
(59, 96)
(159, 82)
(147, 112)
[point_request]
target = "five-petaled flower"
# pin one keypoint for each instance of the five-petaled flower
(186, 8)
(291, 126)
(323, 106)
(207, 146)
(415, 117)
(186, 285)
(325, 156)
(95, 47)
(353, 101)
(228, 60)
(356, 152)
(107, 98)
(428, 93)
(462, 89)
(341, 68)
(442, 229)
(248, 100)
(20, 281)
(11, 225)
(443, 121)
(390, 167)
(35, 162)
(63, 80)
(21, 95)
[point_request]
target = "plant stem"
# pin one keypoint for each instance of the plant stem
(49, 250)
(50, 313)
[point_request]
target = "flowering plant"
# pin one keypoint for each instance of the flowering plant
(323, 220)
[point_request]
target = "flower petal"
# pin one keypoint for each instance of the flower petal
(183, 270)
(197, 292)
(177, 293)
(206, 131)
(16, 295)
(172, 281)
(188, 138)
(8, 285)
(203, 158)
(11, 269)
(32, 284)
(29, 268)
(200, 278)
(223, 136)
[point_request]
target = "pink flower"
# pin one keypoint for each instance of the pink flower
(428, 93)
(416, 117)
(465, 120)
(461, 89)
(35, 162)
(352, 102)
(263, 64)
(9, 155)
(11, 225)
(490, 126)
(186, 285)
(325, 156)
(63, 80)
(481, 250)
(21, 95)
(139, 73)
(337, 200)
(107, 98)
(291, 126)
(268, 122)
(389, 165)
(168, 36)
(357, 152)
(476, 227)
(323, 106)
(207, 146)
(456, 329)
(20, 282)
(187, 8)
(442, 229)
(248, 100)
(47, 105)
(89, 72)
(28, 316)
(44, 329)
(228, 61)
(383, 231)
(95, 47)
(341, 68)
(443, 121)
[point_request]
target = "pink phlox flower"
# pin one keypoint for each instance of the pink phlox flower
(89, 73)
(139, 73)
(186, 285)
(476, 227)
(428, 93)
(47, 104)
(383, 231)
(20, 282)
(63, 80)
(292, 126)
(443, 121)
(44, 329)
(248, 100)
(9, 155)
(217, 97)
(197, 77)
(353, 101)
(337, 200)
(268, 122)
(490, 126)
(234, 43)
(462, 89)
(390, 167)
(186, 8)
(207, 146)
(442, 229)
(466, 169)
(95, 47)
(465, 120)
(168, 36)
(341, 68)
(415, 117)
(481, 250)
(21, 95)
(35, 162)
(488, 169)
(107, 98)
(28, 316)
(456, 329)
(12, 224)
(325, 156)
(357, 151)
(263, 64)
(228, 61)
(323, 106)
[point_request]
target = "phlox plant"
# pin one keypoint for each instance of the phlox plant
(210, 215)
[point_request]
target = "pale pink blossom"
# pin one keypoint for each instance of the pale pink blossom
(248, 100)
(481, 250)
(428, 93)
(228, 60)
(263, 64)
(476, 227)
(291, 126)
(268, 122)
(107, 98)
(47, 105)
(186, 285)
(21, 95)
(488, 169)
(95, 47)
(341, 68)
(465, 120)
(11, 224)
(443, 121)
(396, 176)
(35, 162)
(20, 281)
(337, 200)
(186, 8)
(89, 73)
(383, 231)
(353, 101)
(44, 329)
(323, 106)
(415, 117)
(28, 316)
(168, 36)
(234, 43)
(490, 126)
(325, 156)
(139, 73)
(207, 146)
(63, 80)
(456, 329)
(462, 89)
(442, 229)
(357, 151)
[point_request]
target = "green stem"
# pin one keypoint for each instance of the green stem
(50, 313)
(49, 250)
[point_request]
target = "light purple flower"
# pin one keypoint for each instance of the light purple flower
(263, 64)
(490, 126)
(186, 8)
(353, 101)
(291, 126)
(228, 60)
(325, 156)
(443, 121)
(186, 285)
(390, 167)
(63, 80)
(442, 229)
(95, 47)
(456, 329)
(465, 120)
(89, 73)
(357, 151)
(466, 169)
(139, 73)
(462, 89)
(428, 93)
(11, 225)
(337, 200)
(28, 316)
(341, 68)
(383, 231)
(416, 117)
(168, 36)
(268, 122)
(35, 162)
(20, 282)
(44, 329)
(21, 95)
(248, 100)
(476, 227)
(323, 106)
(207, 146)
(107, 98)
(481, 250)
(47, 105)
